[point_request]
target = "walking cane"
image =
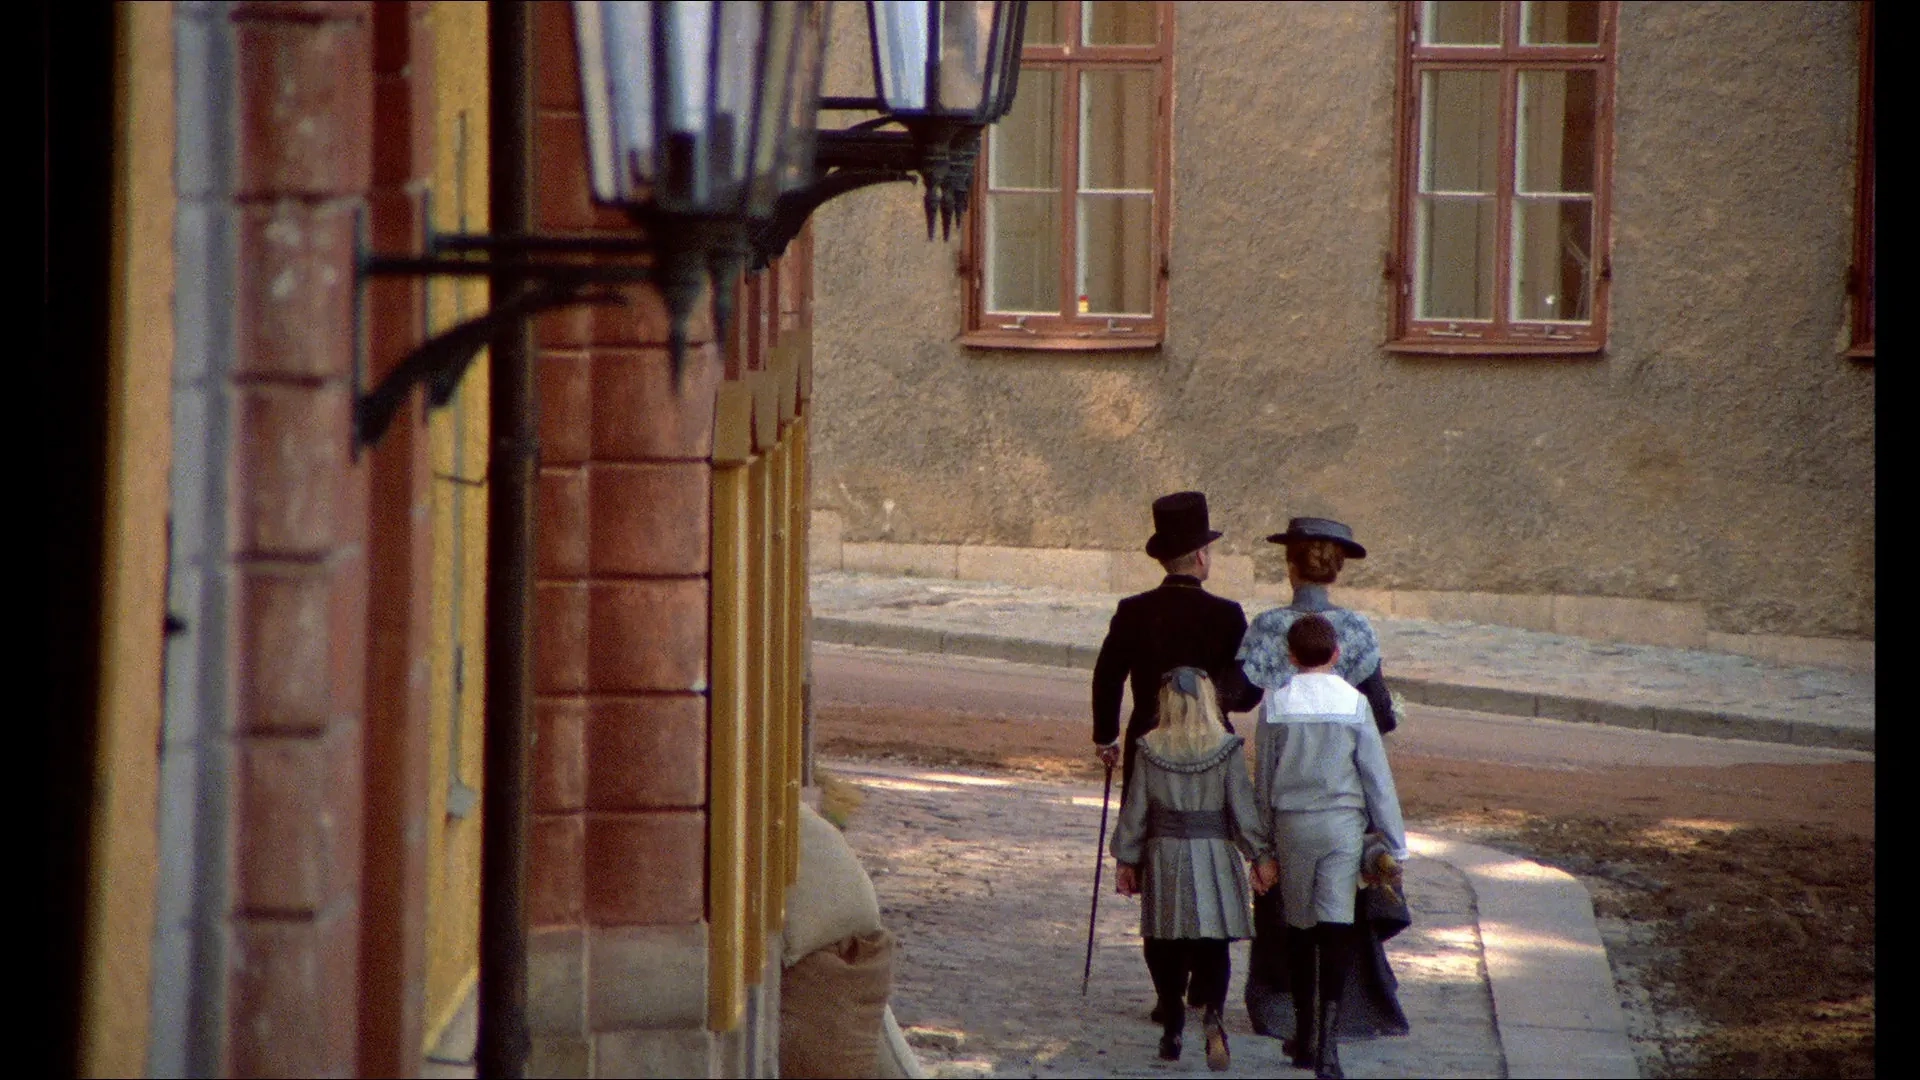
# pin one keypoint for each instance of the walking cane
(1099, 863)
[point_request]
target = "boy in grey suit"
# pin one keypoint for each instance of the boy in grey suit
(1323, 784)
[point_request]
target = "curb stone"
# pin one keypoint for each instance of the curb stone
(1555, 1007)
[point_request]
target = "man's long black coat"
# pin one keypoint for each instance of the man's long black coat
(1177, 624)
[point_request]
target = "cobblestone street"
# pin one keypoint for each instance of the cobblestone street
(986, 879)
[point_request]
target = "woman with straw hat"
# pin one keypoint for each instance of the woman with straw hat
(1317, 550)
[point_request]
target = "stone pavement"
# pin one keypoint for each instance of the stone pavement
(1455, 665)
(985, 879)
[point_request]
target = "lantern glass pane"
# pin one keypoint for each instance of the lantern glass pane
(689, 41)
(966, 39)
(685, 178)
(803, 100)
(627, 36)
(769, 126)
(900, 30)
(590, 32)
(1003, 60)
(699, 106)
(737, 88)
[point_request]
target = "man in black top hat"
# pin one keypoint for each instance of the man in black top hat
(1177, 624)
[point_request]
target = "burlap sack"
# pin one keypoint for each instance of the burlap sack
(831, 1002)
(832, 898)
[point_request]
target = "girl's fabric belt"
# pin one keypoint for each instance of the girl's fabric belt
(1186, 824)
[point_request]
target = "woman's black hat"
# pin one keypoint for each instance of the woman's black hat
(1312, 528)
(1179, 525)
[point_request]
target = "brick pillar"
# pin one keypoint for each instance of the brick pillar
(618, 842)
(296, 543)
(400, 545)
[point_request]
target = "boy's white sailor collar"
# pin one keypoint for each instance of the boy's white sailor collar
(1314, 694)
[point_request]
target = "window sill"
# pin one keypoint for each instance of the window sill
(1859, 352)
(1061, 343)
(1496, 348)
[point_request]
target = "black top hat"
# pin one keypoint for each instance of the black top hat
(1312, 528)
(1179, 525)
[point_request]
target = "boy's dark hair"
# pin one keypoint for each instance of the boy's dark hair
(1311, 641)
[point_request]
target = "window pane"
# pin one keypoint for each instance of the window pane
(1460, 22)
(1118, 22)
(1117, 129)
(1116, 254)
(1023, 150)
(1043, 27)
(1553, 259)
(1459, 131)
(1454, 277)
(1561, 23)
(1555, 140)
(1023, 253)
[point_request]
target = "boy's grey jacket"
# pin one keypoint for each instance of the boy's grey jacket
(1193, 887)
(1319, 750)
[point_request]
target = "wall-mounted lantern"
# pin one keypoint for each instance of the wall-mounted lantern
(698, 116)
(943, 70)
(701, 125)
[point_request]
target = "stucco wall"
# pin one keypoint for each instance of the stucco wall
(1719, 453)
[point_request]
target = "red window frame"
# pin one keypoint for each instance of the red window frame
(1503, 335)
(1068, 329)
(1860, 283)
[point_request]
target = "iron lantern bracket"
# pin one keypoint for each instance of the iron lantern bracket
(551, 278)
(941, 153)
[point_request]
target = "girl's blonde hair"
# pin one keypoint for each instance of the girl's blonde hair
(1190, 727)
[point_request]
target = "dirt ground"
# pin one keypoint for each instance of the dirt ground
(1737, 902)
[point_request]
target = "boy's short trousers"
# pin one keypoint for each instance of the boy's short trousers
(1319, 854)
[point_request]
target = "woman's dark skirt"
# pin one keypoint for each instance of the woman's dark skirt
(1370, 1007)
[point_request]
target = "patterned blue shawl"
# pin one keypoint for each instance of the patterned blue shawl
(1263, 651)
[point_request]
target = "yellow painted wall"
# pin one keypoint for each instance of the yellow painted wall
(459, 438)
(728, 876)
(120, 898)
(759, 642)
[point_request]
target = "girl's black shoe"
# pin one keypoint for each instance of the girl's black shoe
(1170, 1046)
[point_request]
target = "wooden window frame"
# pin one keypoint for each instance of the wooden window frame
(1860, 277)
(1503, 336)
(1068, 330)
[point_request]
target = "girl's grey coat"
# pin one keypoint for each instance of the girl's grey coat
(1193, 888)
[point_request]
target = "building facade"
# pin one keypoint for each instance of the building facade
(1566, 308)
(274, 645)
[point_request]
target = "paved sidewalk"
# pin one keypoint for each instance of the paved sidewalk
(985, 880)
(1455, 665)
